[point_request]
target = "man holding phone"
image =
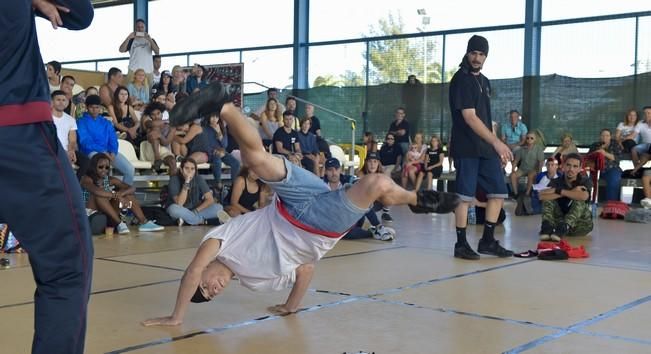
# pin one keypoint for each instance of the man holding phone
(140, 47)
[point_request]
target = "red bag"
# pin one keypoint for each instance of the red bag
(614, 210)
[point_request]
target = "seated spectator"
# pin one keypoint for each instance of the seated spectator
(641, 153)
(272, 92)
(109, 195)
(646, 185)
(336, 180)
(611, 152)
(247, 194)
(197, 80)
(543, 179)
(566, 206)
(390, 154)
(315, 128)
(54, 75)
(113, 80)
(528, 161)
(285, 139)
(433, 161)
(139, 87)
(270, 120)
(67, 132)
(567, 147)
(217, 136)
(625, 135)
(190, 198)
(96, 134)
(67, 85)
(368, 140)
(193, 143)
(513, 133)
(290, 105)
(165, 84)
(414, 163)
(80, 107)
(178, 79)
(159, 139)
(123, 115)
(372, 164)
(310, 149)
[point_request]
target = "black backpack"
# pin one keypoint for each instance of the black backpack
(158, 215)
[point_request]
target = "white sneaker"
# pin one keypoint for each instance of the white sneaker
(223, 216)
(383, 234)
(181, 222)
(646, 203)
(123, 228)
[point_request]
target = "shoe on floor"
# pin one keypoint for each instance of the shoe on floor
(429, 201)
(545, 237)
(223, 216)
(213, 222)
(150, 226)
(555, 238)
(464, 251)
(383, 234)
(208, 100)
(387, 218)
(646, 203)
(493, 248)
(123, 228)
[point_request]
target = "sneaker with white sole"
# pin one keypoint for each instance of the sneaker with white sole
(646, 203)
(383, 234)
(150, 226)
(223, 216)
(123, 228)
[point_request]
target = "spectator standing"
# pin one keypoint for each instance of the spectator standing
(140, 46)
(400, 129)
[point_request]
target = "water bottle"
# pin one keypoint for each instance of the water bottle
(472, 215)
(594, 211)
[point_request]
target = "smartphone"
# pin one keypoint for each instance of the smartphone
(140, 34)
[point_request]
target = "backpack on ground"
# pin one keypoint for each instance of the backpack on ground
(614, 209)
(158, 215)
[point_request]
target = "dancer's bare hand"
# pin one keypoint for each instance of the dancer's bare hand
(503, 151)
(51, 11)
(161, 321)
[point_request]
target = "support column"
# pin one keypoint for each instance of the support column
(301, 37)
(141, 11)
(531, 74)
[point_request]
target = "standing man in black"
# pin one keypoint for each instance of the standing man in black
(400, 130)
(478, 153)
(42, 197)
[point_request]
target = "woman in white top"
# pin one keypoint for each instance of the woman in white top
(626, 136)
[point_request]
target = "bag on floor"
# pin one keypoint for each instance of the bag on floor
(640, 215)
(614, 210)
(97, 222)
(158, 215)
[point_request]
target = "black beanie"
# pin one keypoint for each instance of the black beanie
(477, 43)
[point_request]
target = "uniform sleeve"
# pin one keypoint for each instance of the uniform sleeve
(462, 95)
(80, 16)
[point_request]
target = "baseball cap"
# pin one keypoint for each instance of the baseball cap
(372, 155)
(332, 162)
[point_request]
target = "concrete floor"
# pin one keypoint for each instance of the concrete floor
(406, 296)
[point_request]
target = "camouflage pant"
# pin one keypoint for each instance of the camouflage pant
(579, 216)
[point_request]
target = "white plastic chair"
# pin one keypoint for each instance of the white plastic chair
(125, 148)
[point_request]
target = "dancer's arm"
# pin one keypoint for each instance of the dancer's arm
(189, 283)
(304, 275)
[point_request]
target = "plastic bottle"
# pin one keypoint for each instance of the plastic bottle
(472, 215)
(594, 211)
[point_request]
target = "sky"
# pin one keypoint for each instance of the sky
(584, 50)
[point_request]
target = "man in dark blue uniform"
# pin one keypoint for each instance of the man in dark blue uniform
(42, 198)
(478, 153)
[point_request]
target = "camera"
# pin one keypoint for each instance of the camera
(140, 34)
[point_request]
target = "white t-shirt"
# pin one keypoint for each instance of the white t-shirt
(644, 130)
(625, 130)
(140, 55)
(64, 125)
(264, 249)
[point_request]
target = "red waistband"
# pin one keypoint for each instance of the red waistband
(31, 112)
(285, 214)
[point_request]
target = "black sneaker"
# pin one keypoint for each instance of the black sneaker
(213, 222)
(494, 249)
(464, 251)
(562, 229)
(429, 201)
(386, 217)
(201, 104)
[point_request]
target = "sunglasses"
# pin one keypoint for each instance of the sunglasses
(103, 167)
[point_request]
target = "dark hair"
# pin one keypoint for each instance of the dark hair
(152, 107)
(156, 56)
(646, 107)
(303, 120)
(290, 98)
(116, 102)
(514, 111)
(180, 96)
(272, 89)
(605, 130)
(401, 108)
(141, 20)
(288, 113)
(187, 160)
(57, 93)
(89, 88)
(68, 77)
(55, 65)
(92, 165)
(573, 155)
(158, 94)
(112, 72)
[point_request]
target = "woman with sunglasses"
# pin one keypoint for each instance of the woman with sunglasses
(108, 195)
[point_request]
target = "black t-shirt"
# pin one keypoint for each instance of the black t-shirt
(389, 154)
(581, 180)
(433, 155)
(469, 91)
(288, 139)
(316, 125)
(402, 125)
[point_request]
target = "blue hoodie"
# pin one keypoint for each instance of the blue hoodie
(96, 135)
(24, 90)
